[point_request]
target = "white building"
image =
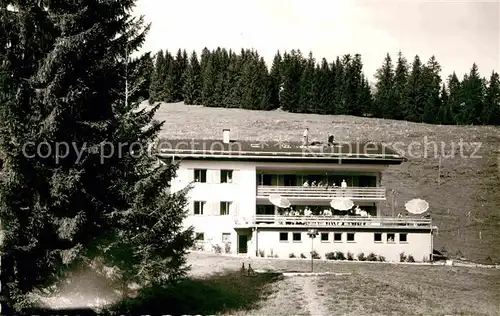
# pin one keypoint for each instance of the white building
(229, 203)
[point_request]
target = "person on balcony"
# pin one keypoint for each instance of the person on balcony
(314, 184)
(306, 184)
(307, 211)
(343, 184)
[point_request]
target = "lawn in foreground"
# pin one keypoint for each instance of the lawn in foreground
(406, 290)
(220, 293)
(372, 288)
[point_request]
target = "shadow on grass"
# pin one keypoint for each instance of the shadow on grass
(217, 294)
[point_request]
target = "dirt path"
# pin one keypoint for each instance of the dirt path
(312, 297)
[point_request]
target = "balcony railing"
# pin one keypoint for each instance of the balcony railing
(332, 221)
(326, 193)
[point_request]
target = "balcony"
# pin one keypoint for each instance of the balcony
(332, 222)
(322, 193)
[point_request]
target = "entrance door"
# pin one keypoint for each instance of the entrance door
(242, 243)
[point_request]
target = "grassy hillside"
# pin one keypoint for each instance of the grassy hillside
(465, 205)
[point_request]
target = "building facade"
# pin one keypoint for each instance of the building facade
(230, 209)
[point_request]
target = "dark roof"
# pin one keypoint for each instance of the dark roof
(278, 151)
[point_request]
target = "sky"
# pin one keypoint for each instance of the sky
(458, 33)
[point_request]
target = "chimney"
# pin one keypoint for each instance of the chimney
(330, 140)
(225, 136)
(306, 137)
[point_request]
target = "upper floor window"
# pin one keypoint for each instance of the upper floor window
(200, 175)
(199, 236)
(226, 176)
(198, 207)
(224, 208)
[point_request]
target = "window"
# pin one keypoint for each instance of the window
(350, 237)
(226, 237)
(377, 237)
(226, 176)
(198, 207)
(297, 236)
(199, 236)
(403, 237)
(200, 175)
(391, 237)
(265, 210)
(283, 236)
(290, 180)
(325, 236)
(224, 208)
(266, 179)
(337, 237)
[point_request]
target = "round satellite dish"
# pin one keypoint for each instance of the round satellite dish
(342, 204)
(417, 206)
(279, 201)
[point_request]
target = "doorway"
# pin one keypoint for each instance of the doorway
(242, 243)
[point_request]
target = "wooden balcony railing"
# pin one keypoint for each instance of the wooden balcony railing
(332, 221)
(318, 193)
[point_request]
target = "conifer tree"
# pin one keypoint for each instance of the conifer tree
(385, 104)
(291, 72)
(455, 98)
(100, 198)
(491, 113)
(431, 90)
(473, 87)
(414, 110)
(400, 87)
(307, 97)
(157, 86)
(192, 81)
(275, 81)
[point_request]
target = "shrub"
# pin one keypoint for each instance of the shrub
(381, 258)
(291, 255)
(262, 253)
(217, 249)
(339, 255)
(227, 247)
(371, 257)
(330, 256)
(350, 256)
(361, 257)
(402, 257)
(315, 255)
(302, 256)
(410, 259)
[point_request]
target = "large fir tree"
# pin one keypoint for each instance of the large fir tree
(71, 82)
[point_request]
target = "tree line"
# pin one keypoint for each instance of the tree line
(412, 91)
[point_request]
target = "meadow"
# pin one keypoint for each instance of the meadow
(464, 200)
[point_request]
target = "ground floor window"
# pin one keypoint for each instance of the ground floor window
(297, 237)
(350, 237)
(226, 237)
(403, 237)
(391, 237)
(337, 237)
(283, 236)
(325, 236)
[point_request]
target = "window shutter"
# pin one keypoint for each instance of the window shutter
(236, 176)
(190, 207)
(234, 209)
(190, 175)
(215, 209)
(215, 174)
